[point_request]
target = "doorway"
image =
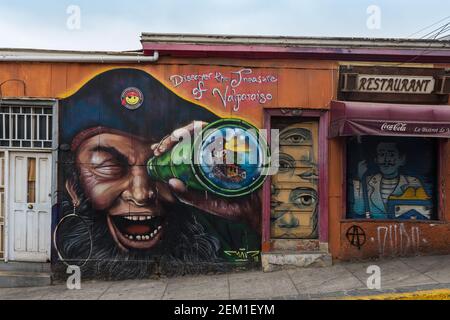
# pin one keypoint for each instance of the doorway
(294, 188)
(29, 217)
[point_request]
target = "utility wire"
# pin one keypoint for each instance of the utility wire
(433, 34)
(437, 33)
(431, 25)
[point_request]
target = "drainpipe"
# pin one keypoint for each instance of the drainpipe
(78, 57)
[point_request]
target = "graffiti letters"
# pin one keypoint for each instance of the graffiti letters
(199, 90)
(396, 239)
(231, 96)
(231, 89)
(243, 255)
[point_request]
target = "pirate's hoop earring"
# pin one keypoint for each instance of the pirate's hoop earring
(72, 215)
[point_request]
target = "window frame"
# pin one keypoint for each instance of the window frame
(31, 103)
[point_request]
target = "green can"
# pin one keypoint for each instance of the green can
(228, 158)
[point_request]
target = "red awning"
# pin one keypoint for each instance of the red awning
(382, 119)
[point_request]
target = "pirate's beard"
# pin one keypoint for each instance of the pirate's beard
(185, 248)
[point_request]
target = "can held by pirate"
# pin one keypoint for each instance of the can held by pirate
(229, 158)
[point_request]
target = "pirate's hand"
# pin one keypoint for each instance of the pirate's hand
(245, 209)
(169, 141)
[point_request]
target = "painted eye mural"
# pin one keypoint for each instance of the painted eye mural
(295, 136)
(294, 200)
(303, 197)
(129, 207)
(286, 163)
(386, 179)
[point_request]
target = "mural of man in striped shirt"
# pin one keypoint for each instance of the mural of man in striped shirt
(389, 194)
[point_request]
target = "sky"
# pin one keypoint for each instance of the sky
(117, 25)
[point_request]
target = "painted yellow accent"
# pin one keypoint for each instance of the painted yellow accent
(438, 294)
(412, 194)
(132, 100)
(235, 146)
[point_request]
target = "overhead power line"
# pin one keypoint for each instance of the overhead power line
(436, 32)
(427, 27)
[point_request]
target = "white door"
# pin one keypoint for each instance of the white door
(29, 222)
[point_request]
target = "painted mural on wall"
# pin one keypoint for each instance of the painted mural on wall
(294, 197)
(391, 178)
(231, 89)
(128, 207)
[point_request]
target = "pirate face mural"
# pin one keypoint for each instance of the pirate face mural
(113, 174)
(118, 220)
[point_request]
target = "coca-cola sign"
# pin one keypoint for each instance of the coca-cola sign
(394, 127)
(388, 128)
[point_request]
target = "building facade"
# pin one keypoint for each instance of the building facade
(90, 154)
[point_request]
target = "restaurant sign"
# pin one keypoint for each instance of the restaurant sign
(395, 84)
(385, 84)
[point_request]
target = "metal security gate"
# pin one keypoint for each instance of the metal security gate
(25, 126)
(294, 189)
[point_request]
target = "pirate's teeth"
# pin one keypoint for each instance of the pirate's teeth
(147, 237)
(138, 237)
(159, 227)
(151, 234)
(142, 218)
(149, 217)
(128, 218)
(135, 218)
(130, 237)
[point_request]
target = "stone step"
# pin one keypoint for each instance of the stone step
(309, 245)
(15, 279)
(277, 260)
(18, 266)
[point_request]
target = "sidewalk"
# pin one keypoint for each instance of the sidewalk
(339, 281)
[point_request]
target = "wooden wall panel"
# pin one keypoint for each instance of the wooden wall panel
(38, 82)
(58, 80)
(8, 75)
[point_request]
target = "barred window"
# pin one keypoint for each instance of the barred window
(25, 126)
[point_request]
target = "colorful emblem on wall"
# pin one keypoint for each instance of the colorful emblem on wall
(243, 255)
(132, 98)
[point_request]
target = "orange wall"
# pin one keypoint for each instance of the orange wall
(300, 84)
(305, 84)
